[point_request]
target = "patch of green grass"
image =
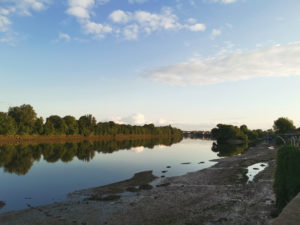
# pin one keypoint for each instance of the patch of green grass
(287, 175)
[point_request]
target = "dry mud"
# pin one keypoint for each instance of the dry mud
(218, 195)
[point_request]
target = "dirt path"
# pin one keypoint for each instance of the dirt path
(214, 196)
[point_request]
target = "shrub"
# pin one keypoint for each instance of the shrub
(287, 182)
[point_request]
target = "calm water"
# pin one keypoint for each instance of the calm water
(42, 174)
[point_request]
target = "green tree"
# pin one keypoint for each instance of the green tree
(7, 124)
(283, 125)
(72, 125)
(87, 125)
(25, 118)
(49, 128)
(39, 126)
(226, 133)
(59, 124)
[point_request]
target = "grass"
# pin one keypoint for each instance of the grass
(287, 175)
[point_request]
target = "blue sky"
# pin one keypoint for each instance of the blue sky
(189, 63)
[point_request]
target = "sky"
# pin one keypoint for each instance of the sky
(188, 63)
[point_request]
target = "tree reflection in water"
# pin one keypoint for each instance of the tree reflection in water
(228, 150)
(19, 159)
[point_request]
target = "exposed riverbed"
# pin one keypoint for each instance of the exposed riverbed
(216, 195)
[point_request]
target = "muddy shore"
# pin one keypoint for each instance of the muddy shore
(218, 195)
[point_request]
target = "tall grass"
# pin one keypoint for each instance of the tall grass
(287, 175)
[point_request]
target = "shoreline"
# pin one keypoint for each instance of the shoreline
(40, 139)
(216, 195)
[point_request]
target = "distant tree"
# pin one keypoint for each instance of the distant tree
(59, 124)
(283, 125)
(224, 133)
(25, 117)
(87, 125)
(252, 134)
(39, 126)
(72, 125)
(49, 128)
(7, 124)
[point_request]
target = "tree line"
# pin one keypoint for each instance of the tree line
(23, 120)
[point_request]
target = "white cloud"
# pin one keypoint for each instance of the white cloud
(10, 8)
(192, 20)
(82, 10)
(197, 27)
(120, 16)
(135, 119)
(146, 22)
(215, 33)
(79, 12)
(25, 7)
(131, 32)
(277, 61)
(96, 28)
(4, 23)
(224, 1)
(137, 1)
(152, 22)
(138, 119)
(63, 36)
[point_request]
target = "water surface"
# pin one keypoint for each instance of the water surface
(46, 173)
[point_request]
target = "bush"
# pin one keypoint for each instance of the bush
(287, 175)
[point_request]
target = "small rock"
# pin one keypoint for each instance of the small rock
(163, 185)
(145, 187)
(107, 198)
(186, 163)
(2, 204)
(168, 167)
(256, 168)
(132, 189)
(201, 162)
(164, 171)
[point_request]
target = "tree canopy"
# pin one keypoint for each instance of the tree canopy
(283, 125)
(225, 133)
(23, 120)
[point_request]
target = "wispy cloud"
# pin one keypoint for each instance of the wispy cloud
(82, 10)
(64, 36)
(10, 8)
(140, 21)
(137, 1)
(215, 33)
(277, 61)
(224, 1)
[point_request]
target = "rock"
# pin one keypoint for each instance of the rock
(132, 189)
(2, 204)
(186, 163)
(145, 187)
(201, 162)
(168, 167)
(163, 185)
(106, 198)
(164, 171)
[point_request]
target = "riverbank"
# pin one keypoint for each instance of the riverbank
(39, 139)
(216, 195)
